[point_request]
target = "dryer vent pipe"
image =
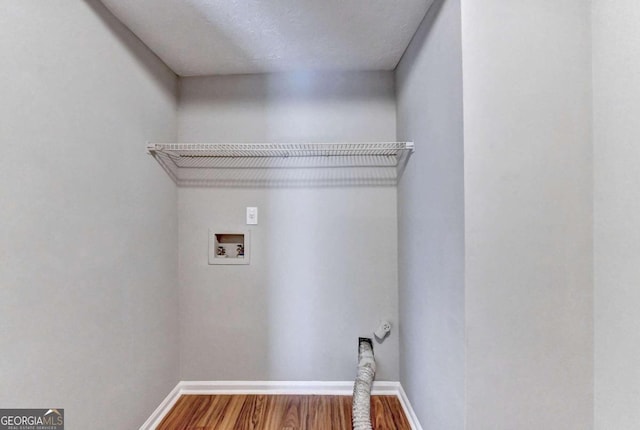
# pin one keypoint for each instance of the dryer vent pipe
(362, 387)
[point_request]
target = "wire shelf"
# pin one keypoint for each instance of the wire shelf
(282, 164)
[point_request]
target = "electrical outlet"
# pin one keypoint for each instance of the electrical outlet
(252, 215)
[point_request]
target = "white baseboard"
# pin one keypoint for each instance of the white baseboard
(335, 388)
(408, 409)
(162, 410)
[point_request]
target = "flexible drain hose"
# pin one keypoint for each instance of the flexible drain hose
(362, 387)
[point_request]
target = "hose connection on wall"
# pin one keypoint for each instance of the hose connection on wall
(362, 388)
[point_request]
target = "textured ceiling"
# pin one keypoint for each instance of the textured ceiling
(209, 37)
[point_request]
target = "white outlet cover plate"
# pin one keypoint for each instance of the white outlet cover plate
(252, 215)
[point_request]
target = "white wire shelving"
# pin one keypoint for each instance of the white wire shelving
(282, 164)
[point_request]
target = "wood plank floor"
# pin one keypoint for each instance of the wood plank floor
(278, 412)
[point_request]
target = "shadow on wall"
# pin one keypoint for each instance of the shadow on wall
(266, 172)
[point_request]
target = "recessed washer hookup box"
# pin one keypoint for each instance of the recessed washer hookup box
(229, 246)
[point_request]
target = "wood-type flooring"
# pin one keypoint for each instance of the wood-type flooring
(278, 412)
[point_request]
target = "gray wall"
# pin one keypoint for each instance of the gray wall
(431, 221)
(616, 87)
(324, 264)
(88, 273)
(528, 214)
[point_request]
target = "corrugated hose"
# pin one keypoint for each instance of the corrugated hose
(362, 387)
